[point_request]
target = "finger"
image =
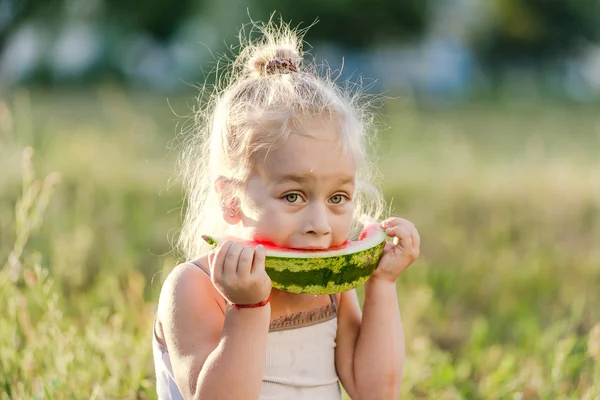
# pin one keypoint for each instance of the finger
(260, 255)
(388, 222)
(416, 238)
(211, 260)
(394, 221)
(231, 260)
(389, 246)
(402, 234)
(245, 262)
(218, 259)
(211, 257)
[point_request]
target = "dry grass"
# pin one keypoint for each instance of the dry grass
(502, 304)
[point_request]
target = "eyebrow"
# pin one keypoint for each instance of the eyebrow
(306, 177)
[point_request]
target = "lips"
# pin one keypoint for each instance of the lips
(310, 247)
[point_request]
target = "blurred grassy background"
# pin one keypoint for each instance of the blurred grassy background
(503, 303)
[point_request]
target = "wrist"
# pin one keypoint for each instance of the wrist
(380, 285)
(248, 319)
(375, 280)
(249, 314)
(252, 305)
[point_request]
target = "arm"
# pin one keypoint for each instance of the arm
(214, 355)
(370, 353)
(380, 344)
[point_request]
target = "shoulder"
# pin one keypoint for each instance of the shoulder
(349, 316)
(189, 322)
(184, 272)
(349, 322)
(348, 307)
(181, 280)
(187, 291)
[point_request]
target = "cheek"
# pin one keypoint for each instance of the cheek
(255, 204)
(272, 229)
(270, 219)
(342, 227)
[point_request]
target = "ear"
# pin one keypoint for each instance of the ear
(230, 205)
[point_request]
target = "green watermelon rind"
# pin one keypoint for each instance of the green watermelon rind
(327, 275)
(328, 272)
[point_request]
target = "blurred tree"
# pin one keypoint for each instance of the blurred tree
(14, 12)
(352, 23)
(159, 18)
(538, 31)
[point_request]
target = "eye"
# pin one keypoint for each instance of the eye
(337, 198)
(291, 197)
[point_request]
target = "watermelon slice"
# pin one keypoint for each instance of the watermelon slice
(328, 271)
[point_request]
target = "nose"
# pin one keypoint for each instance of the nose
(317, 221)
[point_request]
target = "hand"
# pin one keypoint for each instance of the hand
(402, 252)
(238, 273)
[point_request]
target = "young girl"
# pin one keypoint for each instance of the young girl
(280, 157)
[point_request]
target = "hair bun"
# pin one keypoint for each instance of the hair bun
(273, 60)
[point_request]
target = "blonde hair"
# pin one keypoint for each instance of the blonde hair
(252, 109)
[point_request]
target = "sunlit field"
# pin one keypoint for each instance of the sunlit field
(504, 302)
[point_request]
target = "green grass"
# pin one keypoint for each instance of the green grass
(504, 302)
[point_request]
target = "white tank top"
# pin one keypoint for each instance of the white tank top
(300, 359)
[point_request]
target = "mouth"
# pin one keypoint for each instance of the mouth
(310, 248)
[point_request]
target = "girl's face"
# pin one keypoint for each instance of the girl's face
(300, 194)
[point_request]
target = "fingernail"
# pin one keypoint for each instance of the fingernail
(260, 246)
